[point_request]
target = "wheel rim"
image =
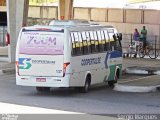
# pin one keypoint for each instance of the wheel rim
(141, 53)
(153, 54)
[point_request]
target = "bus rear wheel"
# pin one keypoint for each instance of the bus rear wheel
(86, 87)
(43, 89)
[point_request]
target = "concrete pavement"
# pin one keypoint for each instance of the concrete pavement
(140, 66)
(143, 84)
(21, 109)
(141, 63)
(7, 68)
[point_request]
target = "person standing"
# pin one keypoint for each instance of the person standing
(136, 36)
(144, 36)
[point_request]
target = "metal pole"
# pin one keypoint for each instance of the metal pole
(155, 46)
(3, 34)
(131, 38)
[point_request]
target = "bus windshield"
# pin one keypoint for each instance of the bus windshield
(41, 43)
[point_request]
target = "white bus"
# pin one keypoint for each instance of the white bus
(68, 54)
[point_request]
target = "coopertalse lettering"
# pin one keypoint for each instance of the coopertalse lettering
(91, 61)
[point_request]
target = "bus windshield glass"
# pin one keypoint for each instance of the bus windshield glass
(41, 43)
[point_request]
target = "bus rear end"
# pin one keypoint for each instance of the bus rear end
(40, 57)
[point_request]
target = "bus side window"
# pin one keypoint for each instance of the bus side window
(112, 41)
(103, 40)
(80, 42)
(107, 41)
(93, 49)
(100, 48)
(118, 42)
(96, 42)
(84, 42)
(88, 42)
(77, 44)
(73, 44)
(115, 42)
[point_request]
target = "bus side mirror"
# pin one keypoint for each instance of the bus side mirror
(119, 36)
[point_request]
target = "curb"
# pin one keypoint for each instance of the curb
(142, 71)
(4, 59)
(136, 71)
(125, 88)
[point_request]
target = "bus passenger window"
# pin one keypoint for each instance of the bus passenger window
(88, 42)
(103, 40)
(77, 43)
(107, 41)
(117, 42)
(80, 42)
(73, 44)
(92, 41)
(85, 45)
(96, 42)
(112, 41)
(99, 41)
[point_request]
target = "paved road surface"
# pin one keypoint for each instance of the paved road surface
(100, 100)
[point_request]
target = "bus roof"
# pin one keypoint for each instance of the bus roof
(60, 25)
(75, 23)
(69, 23)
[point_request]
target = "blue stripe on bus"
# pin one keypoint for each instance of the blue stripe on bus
(116, 54)
(110, 55)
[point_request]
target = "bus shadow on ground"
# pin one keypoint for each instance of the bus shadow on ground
(70, 92)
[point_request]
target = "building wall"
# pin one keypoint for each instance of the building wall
(43, 12)
(125, 20)
(115, 15)
(95, 14)
(2, 2)
(49, 12)
(152, 17)
(34, 12)
(133, 16)
(82, 13)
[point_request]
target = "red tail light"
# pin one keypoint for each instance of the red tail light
(65, 67)
(7, 39)
(17, 65)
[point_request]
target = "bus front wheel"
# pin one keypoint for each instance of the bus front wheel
(112, 82)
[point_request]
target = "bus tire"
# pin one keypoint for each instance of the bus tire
(43, 89)
(86, 87)
(112, 82)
